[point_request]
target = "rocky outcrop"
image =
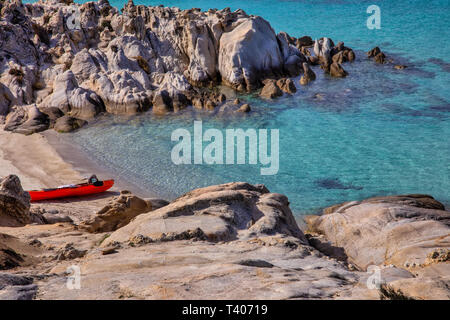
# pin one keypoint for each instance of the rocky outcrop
(407, 229)
(410, 232)
(80, 60)
(236, 241)
(118, 213)
(14, 202)
(221, 213)
(248, 54)
(337, 71)
(271, 90)
(231, 241)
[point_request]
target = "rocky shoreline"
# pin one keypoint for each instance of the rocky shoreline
(62, 64)
(230, 241)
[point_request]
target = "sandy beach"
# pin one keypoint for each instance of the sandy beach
(37, 163)
(34, 161)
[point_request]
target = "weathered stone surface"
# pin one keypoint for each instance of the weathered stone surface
(14, 287)
(14, 202)
(248, 53)
(223, 213)
(399, 230)
(118, 213)
(26, 120)
(228, 241)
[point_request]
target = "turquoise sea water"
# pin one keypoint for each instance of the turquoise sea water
(379, 131)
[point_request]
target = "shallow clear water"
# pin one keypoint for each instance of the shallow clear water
(379, 131)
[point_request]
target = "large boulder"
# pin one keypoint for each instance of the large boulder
(71, 99)
(14, 202)
(26, 120)
(398, 230)
(217, 213)
(248, 53)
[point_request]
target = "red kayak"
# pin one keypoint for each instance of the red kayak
(75, 190)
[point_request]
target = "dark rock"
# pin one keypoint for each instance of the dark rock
(68, 124)
(26, 120)
(109, 250)
(287, 85)
(271, 90)
(380, 57)
(372, 53)
(179, 102)
(14, 287)
(293, 65)
(337, 71)
(70, 253)
(339, 57)
(255, 263)
(162, 103)
(14, 202)
(56, 218)
(304, 41)
(313, 60)
(244, 108)
(350, 55)
(308, 75)
(157, 203)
